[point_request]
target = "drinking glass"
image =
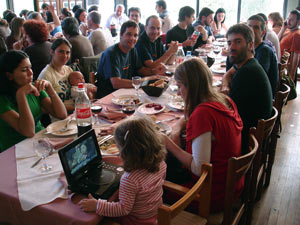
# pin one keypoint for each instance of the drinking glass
(136, 83)
(216, 50)
(96, 109)
(128, 108)
(42, 149)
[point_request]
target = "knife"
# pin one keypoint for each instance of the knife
(37, 161)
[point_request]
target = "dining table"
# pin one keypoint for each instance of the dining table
(66, 210)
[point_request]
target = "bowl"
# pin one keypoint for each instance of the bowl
(152, 90)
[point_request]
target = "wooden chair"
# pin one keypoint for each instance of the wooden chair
(238, 167)
(175, 213)
(280, 99)
(262, 134)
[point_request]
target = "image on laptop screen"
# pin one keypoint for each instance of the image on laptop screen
(81, 154)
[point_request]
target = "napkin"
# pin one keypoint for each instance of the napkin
(58, 143)
(111, 116)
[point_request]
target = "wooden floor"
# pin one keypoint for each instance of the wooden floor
(280, 203)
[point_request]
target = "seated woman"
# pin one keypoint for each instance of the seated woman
(213, 129)
(57, 72)
(218, 26)
(23, 102)
(17, 33)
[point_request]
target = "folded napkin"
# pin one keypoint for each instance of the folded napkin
(111, 116)
(57, 143)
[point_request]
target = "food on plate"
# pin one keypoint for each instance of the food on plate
(223, 65)
(154, 105)
(159, 83)
(109, 147)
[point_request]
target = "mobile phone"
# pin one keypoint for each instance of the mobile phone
(285, 23)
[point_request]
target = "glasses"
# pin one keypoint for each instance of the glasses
(136, 83)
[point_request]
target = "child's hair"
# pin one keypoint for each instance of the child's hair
(140, 143)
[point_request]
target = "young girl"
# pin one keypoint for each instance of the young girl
(140, 192)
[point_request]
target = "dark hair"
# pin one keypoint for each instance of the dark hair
(93, 8)
(219, 10)
(134, 9)
(276, 18)
(75, 7)
(185, 11)
(297, 13)
(263, 16)
(242, 29)
(151, 17)
(65, 12)
(6, 12)
(9, 61)
(10, 16)
(298, 8)
(23, 13)
(58, 42)
(45, 6)
(260, 19)
(70, 26)
(78, 13)
(162, 3)
(33, 15)
(128, 24)
(49, 17)
(36, 30)
(95, 16)
(140, 144)
(205, 12)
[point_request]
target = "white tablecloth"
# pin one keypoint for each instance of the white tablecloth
(34, 187)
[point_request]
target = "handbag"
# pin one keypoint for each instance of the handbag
(291, 84)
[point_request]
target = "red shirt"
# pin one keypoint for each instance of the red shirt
(225, 126)
(291, 42)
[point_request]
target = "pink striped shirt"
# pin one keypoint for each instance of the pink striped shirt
(140, 195)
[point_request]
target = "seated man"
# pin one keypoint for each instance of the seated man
(184, 29)
(120, 62)
(135, 15)
(150, 47)
(250, 88)
(263, 52)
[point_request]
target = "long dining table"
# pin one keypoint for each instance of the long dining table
(66, 211)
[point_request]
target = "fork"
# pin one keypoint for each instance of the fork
(65, 128)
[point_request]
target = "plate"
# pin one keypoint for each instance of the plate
(109, 147)
(54, 128)
(150, 110)
(125, 99)
(218, 69)
(216, 83)
(179, 105)
(164, 128)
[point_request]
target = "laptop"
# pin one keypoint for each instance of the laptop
(84, 169)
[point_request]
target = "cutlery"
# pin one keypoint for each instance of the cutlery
(167, 120)
(105, 139)
(65, 128)
(37, 161)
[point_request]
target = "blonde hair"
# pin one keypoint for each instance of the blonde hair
(140, 143)
(196, 77)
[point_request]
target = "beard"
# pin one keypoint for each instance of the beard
(239, 57)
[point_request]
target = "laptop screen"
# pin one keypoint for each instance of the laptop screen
(81, 155)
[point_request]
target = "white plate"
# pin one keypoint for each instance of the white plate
(164, 128)
(218, 69)
(54, 128)
(149, 111)
(125, 99)
(113, 148)
(179, 105)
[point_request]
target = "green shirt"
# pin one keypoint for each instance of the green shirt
(8, 135)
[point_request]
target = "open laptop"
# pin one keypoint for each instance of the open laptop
(84, 169)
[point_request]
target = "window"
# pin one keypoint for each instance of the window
(251, 7)
(19, 5)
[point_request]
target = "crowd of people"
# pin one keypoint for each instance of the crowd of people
(36, 78)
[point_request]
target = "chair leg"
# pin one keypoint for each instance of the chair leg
(271, 158)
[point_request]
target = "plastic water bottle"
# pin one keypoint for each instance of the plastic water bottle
(195, 35)
(179, 55)
(83, 111)
(188, 55)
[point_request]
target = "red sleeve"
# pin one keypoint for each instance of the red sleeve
(295, 47)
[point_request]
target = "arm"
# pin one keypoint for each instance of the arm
(160, 69)
(226, 80)
(52, 105)
(282, 31)
(294, 62)
(118, 83)
(201, 148)
(22, 122)
(215, 29)
(203, 32)
(179, 126)
(55, 17)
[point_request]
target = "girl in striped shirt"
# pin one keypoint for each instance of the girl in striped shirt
(140, 192)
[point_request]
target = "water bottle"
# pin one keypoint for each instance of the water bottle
(188, 55)
(195, 35)
(83, 111)
(179, 55)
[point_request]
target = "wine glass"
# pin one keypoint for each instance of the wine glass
(136, 83)
(96, 109)
(128, 107)
(42, 149)
(216, 50)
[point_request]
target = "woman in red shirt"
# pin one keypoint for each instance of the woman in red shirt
(213, 128)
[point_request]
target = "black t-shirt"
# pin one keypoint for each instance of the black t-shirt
(148, 50)
(115, 63)
(180, 35)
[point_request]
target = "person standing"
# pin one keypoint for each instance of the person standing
(161, 9)
(117, 19)
(135, 15)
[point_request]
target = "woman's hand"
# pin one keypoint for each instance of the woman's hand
(88, 205)
(28, 89)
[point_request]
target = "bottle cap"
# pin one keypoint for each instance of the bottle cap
(179, 44)
(81, 85)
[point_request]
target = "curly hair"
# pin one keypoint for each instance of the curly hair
(36, 30)
(140, 144)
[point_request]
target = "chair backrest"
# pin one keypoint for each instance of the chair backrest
(238, 167)
(200, 192)
(89, 64)
(281, 97)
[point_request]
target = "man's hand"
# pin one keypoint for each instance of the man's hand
(160, 69)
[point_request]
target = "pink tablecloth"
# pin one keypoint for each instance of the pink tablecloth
(60, 211)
